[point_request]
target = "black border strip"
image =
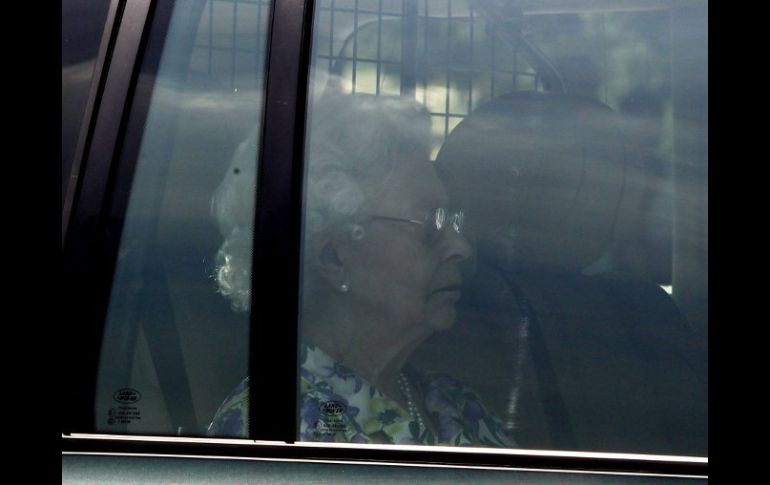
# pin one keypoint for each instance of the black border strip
(91, 240)
(277, 225)
(574, 462)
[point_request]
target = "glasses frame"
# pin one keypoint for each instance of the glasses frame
(440, 217)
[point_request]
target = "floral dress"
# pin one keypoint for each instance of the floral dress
(338, 405)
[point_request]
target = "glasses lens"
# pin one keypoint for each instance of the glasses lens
(433, 228)
(457, 221)
(439, 216)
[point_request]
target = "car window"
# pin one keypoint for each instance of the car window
(504, 227)
(176, 334)
(504, 236)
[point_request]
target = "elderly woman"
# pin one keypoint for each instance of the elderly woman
(381, 274)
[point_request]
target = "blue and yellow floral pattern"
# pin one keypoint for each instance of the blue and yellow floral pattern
(337, 405)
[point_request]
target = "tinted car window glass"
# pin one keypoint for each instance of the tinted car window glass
(176, 335)
(505, 226)
(82, 27)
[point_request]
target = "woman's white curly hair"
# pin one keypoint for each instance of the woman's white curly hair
(355, 140)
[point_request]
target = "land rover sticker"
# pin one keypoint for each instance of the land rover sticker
(126, 412)
(127, 396)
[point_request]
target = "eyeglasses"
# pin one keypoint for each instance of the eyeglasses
(434, 223)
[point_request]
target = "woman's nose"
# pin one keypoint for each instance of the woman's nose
(454, 246)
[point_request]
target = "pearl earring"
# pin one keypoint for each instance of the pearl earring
(344, 287)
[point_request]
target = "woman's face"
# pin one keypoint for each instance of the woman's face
(394, 272)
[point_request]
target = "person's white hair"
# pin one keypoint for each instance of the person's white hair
(355, 141)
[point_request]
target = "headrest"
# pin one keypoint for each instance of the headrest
(541, 177)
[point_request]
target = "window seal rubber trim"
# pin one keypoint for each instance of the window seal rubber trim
(102, 62)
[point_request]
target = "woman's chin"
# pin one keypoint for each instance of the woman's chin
(441, 310)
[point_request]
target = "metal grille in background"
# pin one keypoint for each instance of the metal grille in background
(366, 42)
(442, 52)
(229, 44)
(439, 51)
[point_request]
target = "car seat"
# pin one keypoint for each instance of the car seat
(571, 353)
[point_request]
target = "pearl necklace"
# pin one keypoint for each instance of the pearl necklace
(403, 383)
